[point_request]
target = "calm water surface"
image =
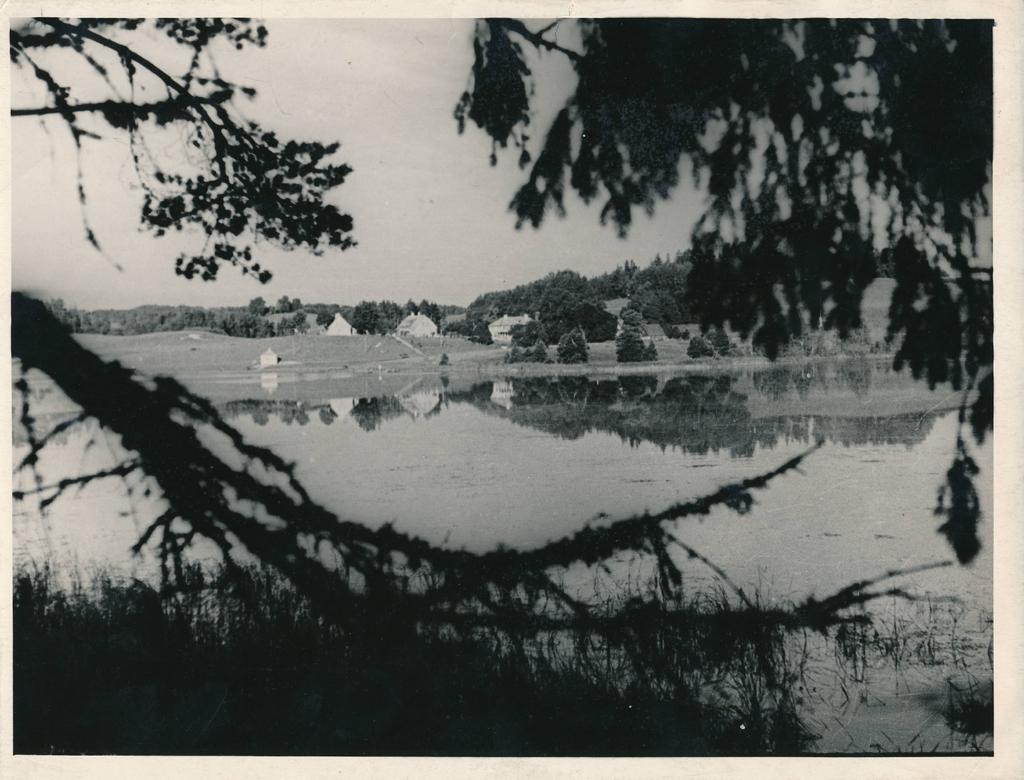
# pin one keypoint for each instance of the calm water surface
(473, 462)
(522, 461)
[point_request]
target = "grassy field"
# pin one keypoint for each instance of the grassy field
(194, 353)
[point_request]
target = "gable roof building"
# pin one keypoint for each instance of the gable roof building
(269, 358)
(340, 327)
(501, 328)
(416, 325)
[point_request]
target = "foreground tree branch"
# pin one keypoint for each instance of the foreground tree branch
(252, 186)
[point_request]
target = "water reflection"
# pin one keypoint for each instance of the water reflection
(698, 413)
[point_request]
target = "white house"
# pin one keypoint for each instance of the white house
(340, 327)
(501, 328)
(417, 326)
(269, 358)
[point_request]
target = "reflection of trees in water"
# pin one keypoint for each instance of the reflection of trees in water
(854, 374)
(697, 414)
(261, 411)
(369, 413)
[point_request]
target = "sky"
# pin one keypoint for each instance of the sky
(431, 214)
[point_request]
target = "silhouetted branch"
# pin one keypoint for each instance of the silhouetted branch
(536, 38)
(128, 54)
(111, 108)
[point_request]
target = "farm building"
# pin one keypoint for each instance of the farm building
(269, 358)
(340, 327)
(501, 328)
(417, 326)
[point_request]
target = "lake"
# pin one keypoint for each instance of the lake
(474, 462)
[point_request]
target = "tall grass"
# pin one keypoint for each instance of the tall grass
(242, 663)
(239, 662)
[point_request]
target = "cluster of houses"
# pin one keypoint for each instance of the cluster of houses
(421, 326)
(413, 326)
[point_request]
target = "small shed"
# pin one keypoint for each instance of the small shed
(269, 358)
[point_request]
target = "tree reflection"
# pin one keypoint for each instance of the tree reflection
(697, 413)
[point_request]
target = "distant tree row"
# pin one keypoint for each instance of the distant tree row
(250, 321)
(384, 316)
(565, 300)
(234, 321)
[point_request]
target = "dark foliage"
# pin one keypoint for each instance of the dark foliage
(629, 343)
(525, 336)
(248, 185)
(572, 347)
(247, 656)
(564, 300)
(719, 341)
(788, 123)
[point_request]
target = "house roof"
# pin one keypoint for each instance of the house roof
(339, 320)
(508, 319)
(414, 320)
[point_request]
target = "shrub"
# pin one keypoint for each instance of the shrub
(699, 347)
(650, 351)
(719, 341)
(514, 355)
(444, 359)
(629, 344)
(539, 353)
(572, 347)
(524, 336)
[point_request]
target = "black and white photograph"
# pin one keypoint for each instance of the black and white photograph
(504, 387)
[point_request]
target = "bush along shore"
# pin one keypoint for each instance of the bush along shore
(236, 661)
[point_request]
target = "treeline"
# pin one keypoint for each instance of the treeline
(255, 320)
(384, 316)
(232, 320)
(565, 300)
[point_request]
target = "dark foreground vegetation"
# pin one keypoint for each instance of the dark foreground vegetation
(243, 663)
